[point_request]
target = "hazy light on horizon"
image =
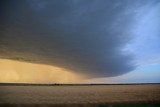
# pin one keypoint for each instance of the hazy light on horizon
(22, 72)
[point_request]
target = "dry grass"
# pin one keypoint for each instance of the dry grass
(79, 94)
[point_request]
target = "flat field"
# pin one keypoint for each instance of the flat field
(100, 94)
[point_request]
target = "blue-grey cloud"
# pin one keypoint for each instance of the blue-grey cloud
(83, 36)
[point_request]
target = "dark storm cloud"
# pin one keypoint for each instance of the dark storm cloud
(85, 36)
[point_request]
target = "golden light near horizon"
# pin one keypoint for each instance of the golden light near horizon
(22, 72)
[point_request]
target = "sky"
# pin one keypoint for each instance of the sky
(107, 41)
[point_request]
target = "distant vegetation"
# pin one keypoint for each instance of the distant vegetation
(58, 84)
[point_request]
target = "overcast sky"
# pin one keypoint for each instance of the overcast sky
(104, 39)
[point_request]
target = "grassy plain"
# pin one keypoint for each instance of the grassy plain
(96, 95)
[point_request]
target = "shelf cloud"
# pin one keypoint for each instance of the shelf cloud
(86, 37)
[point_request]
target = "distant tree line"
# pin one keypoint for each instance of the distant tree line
(58, 84)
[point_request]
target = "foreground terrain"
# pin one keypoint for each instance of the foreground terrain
(96, 94)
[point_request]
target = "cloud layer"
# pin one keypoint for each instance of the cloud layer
(83, 36)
